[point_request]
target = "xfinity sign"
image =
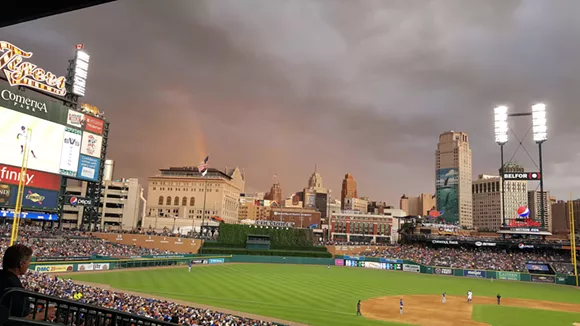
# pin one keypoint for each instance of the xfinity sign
(522, 176)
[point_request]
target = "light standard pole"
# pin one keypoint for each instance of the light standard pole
(540, 132)
(501, 138)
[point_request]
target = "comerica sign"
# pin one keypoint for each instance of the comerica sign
(23, 73)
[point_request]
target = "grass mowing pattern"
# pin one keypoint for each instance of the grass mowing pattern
(501, 315)
(317, 295)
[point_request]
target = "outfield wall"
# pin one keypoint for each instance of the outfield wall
(101, 263)
(412, 267)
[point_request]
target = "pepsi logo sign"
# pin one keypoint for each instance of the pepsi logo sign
(74, 201)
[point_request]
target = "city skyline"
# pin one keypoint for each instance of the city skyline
(333, 90)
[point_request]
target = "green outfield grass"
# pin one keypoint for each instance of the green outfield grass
(319, 296)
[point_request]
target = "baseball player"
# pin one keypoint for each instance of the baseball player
(498, 299)
(189, 266)
(469, 296)
(401, 306)
(22, 137)
(358, 313)
(443, 298)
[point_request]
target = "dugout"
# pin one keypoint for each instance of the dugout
(258, 242)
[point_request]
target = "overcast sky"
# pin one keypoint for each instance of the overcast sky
(362, 87)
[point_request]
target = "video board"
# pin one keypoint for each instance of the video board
(63, 141)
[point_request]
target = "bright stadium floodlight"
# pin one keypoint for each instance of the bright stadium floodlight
(501, 125)
(539, 127)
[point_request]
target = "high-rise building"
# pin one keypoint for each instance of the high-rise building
(315, 182)
(561, 217)
(275, 193)
(418, 206)
(486, 193)
(453, 178)
(348, 189)
(534, 204)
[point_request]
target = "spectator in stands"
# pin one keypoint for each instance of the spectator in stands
(15, 263)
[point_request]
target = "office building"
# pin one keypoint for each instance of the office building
(122, 205)
(453, 178)
(534, 204)
(348, 189)
(418, 206)
(561, 217)
(177, 197)
(355, 204)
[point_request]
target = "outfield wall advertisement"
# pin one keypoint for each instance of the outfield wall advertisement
(510, 276)
(474, 273)
(411, 268)
(447, 192)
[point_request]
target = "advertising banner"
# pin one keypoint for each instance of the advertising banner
(197, 261)
(75, 119)
(93, 124)
(36, 179)
(45, 141)
(411, 268)
(69, 258)
(354, 263)
(443, 271)
(69, 157)
(447, 189)
(31, 103)
(339, 262)
(388, 260)
(30, 215)
(37, 198)
(85, 267)
(474, 273)
(6, 196)
(100, 266)
(511, 276)
(54, 268)
(216, 260)
(88, 168)
(394, 267)
(372, 264)
(543, 278)
(91, 144)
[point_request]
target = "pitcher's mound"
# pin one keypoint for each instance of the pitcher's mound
(427, 310)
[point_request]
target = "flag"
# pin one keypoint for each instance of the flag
(202, 167)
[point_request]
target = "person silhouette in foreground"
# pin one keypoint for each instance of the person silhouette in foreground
(358, 313)
(15, 263)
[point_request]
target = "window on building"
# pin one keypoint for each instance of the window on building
(192, 201)
(160, 200)
(184, 201)
(168, 200)
(176, 201)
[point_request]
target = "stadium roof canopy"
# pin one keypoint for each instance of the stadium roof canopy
(26, 10)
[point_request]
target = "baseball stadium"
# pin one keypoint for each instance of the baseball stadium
(67, 260)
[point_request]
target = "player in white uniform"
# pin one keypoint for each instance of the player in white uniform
(469, 296)
(22, 135)
(443, 298)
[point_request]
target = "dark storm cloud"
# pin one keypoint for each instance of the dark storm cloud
(363, 87)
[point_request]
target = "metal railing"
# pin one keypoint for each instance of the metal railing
(48, 310)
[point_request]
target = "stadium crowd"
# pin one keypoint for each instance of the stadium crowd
(485, 259)
(142, 306)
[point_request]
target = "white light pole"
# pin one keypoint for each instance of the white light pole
(540, 132)
(501, 138)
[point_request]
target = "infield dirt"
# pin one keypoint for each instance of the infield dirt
(427, 310)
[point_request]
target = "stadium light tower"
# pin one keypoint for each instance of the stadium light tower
(501, 138)
(540, 132)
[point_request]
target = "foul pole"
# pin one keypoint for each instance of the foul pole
(572, 237)
(21, 181)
